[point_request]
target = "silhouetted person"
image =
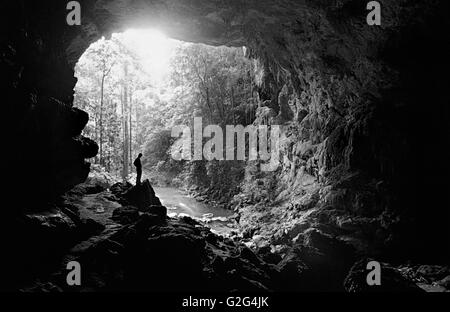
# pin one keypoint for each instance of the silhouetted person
(138, 165)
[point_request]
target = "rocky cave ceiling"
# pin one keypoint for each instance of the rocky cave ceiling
(280, 31)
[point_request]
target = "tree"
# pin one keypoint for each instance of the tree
(130, 115)
(107, 73)
(104, 56)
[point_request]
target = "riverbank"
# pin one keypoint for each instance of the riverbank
(180, 203)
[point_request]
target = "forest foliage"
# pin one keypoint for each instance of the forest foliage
(129, 113)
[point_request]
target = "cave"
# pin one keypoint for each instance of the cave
(368, 102)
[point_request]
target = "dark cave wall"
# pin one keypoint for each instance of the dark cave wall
(360, 99)
(371, 101)
(46, 150)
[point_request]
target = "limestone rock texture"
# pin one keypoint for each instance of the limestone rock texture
(364, 109)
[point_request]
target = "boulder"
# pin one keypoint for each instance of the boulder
(327, 258)
(157, 210)
(99, 176)
(119, 188)
(268, 256)
(125, 215)
(292, 272)
(89, 227)
(142, 196)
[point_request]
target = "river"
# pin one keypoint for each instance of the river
(178, 204)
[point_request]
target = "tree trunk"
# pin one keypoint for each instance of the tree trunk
(125, 171)
(138, 130)
(209, 105)
(101, 118)
(131, 128)
(232, 105)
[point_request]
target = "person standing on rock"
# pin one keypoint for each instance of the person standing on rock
(138, 165)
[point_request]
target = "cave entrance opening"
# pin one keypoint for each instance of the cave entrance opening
(138, 85)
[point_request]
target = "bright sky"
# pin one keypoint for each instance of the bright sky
(154, 49)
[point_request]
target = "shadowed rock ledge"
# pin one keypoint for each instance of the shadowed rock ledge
(140, 249)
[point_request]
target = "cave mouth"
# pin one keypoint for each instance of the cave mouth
(138, 86)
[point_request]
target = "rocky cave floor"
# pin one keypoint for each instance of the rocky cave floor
(124, 241)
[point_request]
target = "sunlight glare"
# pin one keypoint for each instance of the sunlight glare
(153, 48)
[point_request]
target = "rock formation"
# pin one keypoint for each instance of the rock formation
(146, 251)
(368, 103)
